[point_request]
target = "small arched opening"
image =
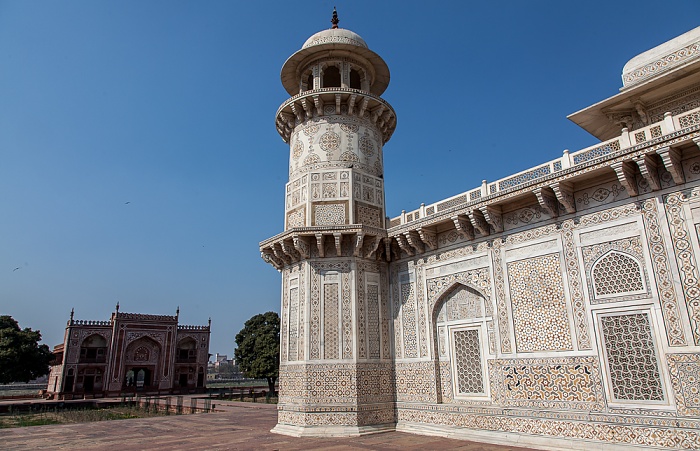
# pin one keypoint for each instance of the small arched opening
(355, 79)
(331, 77)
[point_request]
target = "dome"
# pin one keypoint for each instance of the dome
(335, 36)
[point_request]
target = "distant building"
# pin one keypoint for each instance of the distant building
(223, 368)
(130, 353)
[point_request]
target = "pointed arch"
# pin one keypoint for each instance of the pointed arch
(459, 315)
(439, 296)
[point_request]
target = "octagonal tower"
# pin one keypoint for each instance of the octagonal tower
(336, 372)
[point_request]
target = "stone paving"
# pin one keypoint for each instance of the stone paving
(234, 426)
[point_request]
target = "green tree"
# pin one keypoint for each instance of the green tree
(22, 358)
(258, 351)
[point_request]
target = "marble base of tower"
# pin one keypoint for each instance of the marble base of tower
(346, 399)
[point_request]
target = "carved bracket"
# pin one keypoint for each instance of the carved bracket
(320, 245)
(318, 103)
(301, 244)
(479, 222)
(374, 247)
(403, 244)
(464, 226)
(359, 240)
(269, 257)
(429, 237)
(338, 244)
(290, 251)
(565, 195)
(279, 253)
(414, 241)
(307, 108)
(626, 177)
(493, 216)
(671, 158)
(363, 106)
(650, 171)
(351, 103)
(547, 200)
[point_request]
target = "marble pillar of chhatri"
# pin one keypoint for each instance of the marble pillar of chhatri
(335, 373)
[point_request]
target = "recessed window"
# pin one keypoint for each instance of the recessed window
(331, 77)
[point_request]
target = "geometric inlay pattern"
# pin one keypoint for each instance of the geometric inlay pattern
(329, 214)
(687, 264)
(467, 355)
(373, 320)
(632, 362)
(662, 272)
(539, 306)
(415, 381)
(330, 323)
(296, 218)
(368, 215)
(408, 308)
(293, 322)
(501, 310)
(560, 383)
(685, 378)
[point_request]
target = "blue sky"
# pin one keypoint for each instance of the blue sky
(139, 160)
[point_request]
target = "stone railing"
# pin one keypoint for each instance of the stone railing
(568, 160)
(193, 328)
(82, 322)
(141, 316)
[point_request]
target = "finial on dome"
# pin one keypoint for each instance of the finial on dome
(335, 19)
(117, 306)
(72, 312)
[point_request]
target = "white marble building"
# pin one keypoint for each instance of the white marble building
(557, 308)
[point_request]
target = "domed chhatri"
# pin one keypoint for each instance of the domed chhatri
(336, 44)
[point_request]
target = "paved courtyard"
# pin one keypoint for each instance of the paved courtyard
(235, 426)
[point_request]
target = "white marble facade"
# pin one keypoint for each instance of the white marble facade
(557, 308)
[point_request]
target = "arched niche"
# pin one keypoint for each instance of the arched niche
(459, 317)
(186, 350)
(93, 349)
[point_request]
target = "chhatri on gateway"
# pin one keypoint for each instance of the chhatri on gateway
(557, 307)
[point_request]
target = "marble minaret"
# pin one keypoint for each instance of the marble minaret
(336, 372)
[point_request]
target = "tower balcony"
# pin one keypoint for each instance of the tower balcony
(335, 101)
(351, 240)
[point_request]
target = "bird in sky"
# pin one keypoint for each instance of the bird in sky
(126, 203)
(16, 269)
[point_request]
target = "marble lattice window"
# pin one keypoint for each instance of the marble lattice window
(631, 358)
(616, 273)
(467, 362)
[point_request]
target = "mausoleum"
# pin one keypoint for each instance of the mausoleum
(558, 307)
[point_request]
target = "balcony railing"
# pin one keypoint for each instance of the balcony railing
(626, 140)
